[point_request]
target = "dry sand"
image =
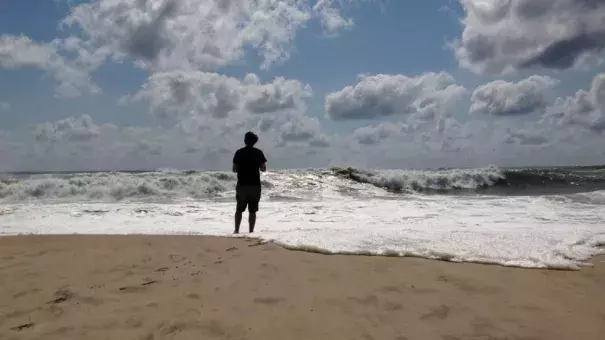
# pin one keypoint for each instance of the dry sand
(165, 287)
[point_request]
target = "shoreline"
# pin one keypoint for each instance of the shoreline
(259, 241)
(187, 287)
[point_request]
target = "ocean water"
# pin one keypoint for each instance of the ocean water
(532, 218)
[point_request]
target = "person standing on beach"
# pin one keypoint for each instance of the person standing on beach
(247, 163)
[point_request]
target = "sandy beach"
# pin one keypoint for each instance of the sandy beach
(184, 287)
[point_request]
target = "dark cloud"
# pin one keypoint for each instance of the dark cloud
(147, 40)
(501, 36)
(563, 54)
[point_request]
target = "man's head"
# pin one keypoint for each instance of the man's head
(250, 138)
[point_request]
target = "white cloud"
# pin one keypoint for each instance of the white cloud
(210, 94)
(167, 35)
(301, 129)
(73, 77)
(330, 17)
(73, 129)
(427, 95)
(16, 52)
(147, 148)
(320, 141)
(77, 143)
(185, 44)
(373, 135)
(585, 109)
(525, 137)
(503, 36)
(501, 98)
(293, 141)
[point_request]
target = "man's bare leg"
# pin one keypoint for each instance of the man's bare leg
(238, 221)
(251, 221)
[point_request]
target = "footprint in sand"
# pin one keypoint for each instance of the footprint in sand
(440, 313)
(269, 300)
(177, 258)
(22, 327)
(139, 288)
(193, 296)
(392, 306)
(26, 292)
(62, 296)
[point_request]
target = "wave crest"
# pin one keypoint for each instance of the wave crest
(439, 180)
(314, 184)
(116, 186)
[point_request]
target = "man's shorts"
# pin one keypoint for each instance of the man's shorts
(247, 196)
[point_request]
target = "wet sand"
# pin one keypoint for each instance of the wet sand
(185, 287)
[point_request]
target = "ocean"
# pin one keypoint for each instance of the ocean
(522, 217)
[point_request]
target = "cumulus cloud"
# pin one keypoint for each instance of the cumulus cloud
(189, 34)
(331, 18)
(80, 128)
(20, 52)
(320, 142)
(503, 36)
(377, 96)
(585, 109)
(147, 148)
(448, 135)
(77, 143)
(169, 35)
(372, 135)
(215, 95)
(501, 98)
(525, 137)
(301, 129)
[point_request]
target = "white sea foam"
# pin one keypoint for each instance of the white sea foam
(170, 184)
(532, 232)
(433, 180)
(116, 186)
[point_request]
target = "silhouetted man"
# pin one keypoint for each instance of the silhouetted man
(248, 162)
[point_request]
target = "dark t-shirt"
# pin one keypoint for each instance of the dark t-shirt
(248, 160)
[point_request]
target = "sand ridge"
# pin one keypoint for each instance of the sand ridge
(189, 287)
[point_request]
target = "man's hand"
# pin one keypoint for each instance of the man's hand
(263, 167)
(234, 167)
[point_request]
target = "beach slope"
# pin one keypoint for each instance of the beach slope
(186, 287)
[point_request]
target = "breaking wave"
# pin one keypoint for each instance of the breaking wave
(406, 180)
(297, 184)
(493, 180)
(116, 185)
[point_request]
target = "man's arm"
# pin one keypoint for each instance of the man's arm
(235, 162)
(263, 162)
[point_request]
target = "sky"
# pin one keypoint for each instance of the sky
(155, 84)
